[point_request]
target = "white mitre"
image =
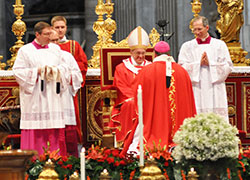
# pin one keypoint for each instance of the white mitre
(138, 38)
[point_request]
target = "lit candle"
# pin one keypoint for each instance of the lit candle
(82, 156)
(139, 102)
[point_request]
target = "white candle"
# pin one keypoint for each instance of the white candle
(139, 103)
(115, 143)
(82, 156)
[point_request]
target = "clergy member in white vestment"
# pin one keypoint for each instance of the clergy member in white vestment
(39, 69)
(67, 96)
(208, 63)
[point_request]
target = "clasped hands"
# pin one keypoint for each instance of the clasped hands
(204, 59)
(49, 73)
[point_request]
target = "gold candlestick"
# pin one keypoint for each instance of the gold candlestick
(74, 176)
(192, 174)
(98, 28)
(104, 175)
(196, 9)
(48, 171)
(151, 171)
(18, 28)
(110, 24)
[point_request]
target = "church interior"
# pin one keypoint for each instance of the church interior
(101, 27)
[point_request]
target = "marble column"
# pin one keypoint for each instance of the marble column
(166, 10)
(90, 18)
(124, 15)
(145, 14)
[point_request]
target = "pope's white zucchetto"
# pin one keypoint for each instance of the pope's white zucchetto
(138, 38)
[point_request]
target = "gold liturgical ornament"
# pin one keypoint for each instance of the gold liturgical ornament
(151, 171)
(192, 175)
(48, 172)
(18, 28)
(104, 175)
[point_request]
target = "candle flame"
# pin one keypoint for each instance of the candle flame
(83, 150)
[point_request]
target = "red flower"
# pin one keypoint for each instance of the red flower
(166, 163)
(60, 163)
(240, 156)
(69, 166)
(107, 152)
(100, 160)
(64, 158)
(122, 162)
(42, 157)
(242, 165)
(115, 153)
(110, 160)
(117, 163)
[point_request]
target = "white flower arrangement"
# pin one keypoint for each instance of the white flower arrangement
(205, 137)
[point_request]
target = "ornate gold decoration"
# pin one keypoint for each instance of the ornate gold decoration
(196, 9)
(104, 175)
(2, 65)
(109, 24)
(172, 97)
(74, 176)
(192, 175)
(48, 172)
(231, 110)
(229, 25)
(98, 28)
(238, 54)
(18, 28)
(151, 171)
(93, 98)
(154, 37)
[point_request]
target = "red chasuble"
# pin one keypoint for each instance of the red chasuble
(123, 113)
(164, 109)
(75, 49)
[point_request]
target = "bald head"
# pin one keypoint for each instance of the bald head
(54, 36)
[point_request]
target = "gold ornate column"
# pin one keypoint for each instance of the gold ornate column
(229, 25)
(18, 28)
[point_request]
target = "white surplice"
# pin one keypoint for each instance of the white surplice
(74, 85)
(40, 109)
(208, 81)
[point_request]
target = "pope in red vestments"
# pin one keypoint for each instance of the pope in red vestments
(167, 99)
(59, 23)
(123, 114)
